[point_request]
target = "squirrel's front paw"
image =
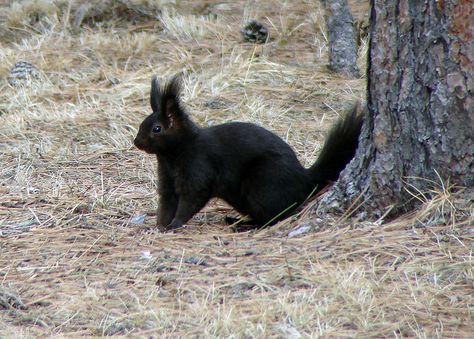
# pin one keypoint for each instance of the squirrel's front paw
(170, 227)
(161, 228)
(174, 225)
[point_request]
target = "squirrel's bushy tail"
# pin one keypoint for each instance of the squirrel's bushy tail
(339, 148)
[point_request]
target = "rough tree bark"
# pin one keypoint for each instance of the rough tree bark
(342, 44)
(420, 121)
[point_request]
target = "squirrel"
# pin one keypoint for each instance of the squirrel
(247, 166)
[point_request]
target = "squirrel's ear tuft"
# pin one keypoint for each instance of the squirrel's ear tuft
(155, 95)
(170, 102)
(173, 87)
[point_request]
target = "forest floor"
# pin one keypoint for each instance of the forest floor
(78, 252)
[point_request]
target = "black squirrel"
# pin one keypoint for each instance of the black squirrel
(249, 167)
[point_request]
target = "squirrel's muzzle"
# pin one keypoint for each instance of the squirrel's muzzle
(139, 143)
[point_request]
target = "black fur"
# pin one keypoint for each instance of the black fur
(249, 167)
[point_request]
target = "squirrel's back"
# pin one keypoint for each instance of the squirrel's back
(246, 139)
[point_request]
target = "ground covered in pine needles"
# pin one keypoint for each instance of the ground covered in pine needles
(77, 200)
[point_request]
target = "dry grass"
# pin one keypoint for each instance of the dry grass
(72, 260)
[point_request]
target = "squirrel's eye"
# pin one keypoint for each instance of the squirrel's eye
(156, 129)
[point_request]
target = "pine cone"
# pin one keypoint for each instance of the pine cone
(255, 32)
(22, 72)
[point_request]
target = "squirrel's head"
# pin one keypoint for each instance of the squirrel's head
(168, 127)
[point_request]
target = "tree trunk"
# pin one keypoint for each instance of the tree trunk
(419, 129)
(342, 44)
